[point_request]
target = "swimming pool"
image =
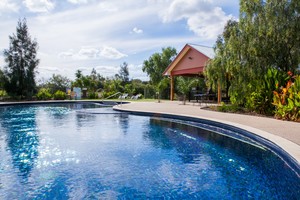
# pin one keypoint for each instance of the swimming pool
(85, 151)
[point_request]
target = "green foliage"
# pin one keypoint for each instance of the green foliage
(44, 94)
(250, 52)
(149, 91)
(233, 108)
(58, 82)
(92, 82)
(262, 98)
(3, 93)
(287, 100)
(21, 62)
(184, 85)
(2, 79)
(155, 66)
(93, 95)
(157, 63)
(138, 86)
(59, 95)
(161, 88)
(123, 73)
(220, 70)
(129, 89)
(106, 94)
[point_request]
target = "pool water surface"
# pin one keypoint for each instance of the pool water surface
(85, 151)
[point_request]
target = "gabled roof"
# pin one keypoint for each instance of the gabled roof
(208, 51)
(204, 52)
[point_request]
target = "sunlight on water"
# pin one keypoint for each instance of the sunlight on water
(70, 152)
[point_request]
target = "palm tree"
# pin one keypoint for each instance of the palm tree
(184, 86)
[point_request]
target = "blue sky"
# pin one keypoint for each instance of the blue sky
(102, 34)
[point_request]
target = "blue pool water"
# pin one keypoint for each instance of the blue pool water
(83, 151)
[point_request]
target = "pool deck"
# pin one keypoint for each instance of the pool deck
(285, 134)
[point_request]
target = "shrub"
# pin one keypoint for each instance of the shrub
(3, 93)
(110, 95)
(229, 108)
(93, 95)
(287, 99)
(261, 99)
(44, 94)
(60, 95)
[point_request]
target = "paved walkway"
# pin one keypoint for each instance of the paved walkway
(285, 134)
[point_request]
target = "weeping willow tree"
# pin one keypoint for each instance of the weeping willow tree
(266, 38)
(220, 70)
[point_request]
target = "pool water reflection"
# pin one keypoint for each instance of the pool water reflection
(67, 151)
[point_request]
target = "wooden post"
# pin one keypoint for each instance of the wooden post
(219, 93)
(172, 88)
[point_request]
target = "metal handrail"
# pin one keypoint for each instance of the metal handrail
(113, 95)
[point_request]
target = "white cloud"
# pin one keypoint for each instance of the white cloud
(208, 26)
(85, 53)
(39, 5)
(66, 54)
(89, 53)
(7, 6)
(77, 1)
(107, 71)
(137, 31)
(73, 36)
(203, 18)
(111, 53)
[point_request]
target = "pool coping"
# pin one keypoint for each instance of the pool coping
(287, 150)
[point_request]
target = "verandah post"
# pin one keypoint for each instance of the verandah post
(172, 88)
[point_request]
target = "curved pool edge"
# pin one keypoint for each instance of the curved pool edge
(106, 102)
(287, 150)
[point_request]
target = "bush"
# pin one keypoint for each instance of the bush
(44, 94)
(229, 108)
(3, 93)
(109, 94)
(287, 100)
(60, 95)
(93, 95)
(260, 101)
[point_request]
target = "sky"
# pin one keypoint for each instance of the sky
(102, 34)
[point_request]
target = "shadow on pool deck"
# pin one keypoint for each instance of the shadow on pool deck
(285, 134)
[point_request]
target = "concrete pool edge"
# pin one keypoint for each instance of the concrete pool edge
(286, 149)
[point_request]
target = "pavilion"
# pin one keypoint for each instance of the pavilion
(190, 61)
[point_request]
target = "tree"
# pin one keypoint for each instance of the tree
(58, 82)
(266, 38)
(124, 73)
(221, 69)
(270, 34)
(2, 79)
(161, 87)
(184, 86)
(78, 81)
(21, 59)
(92, 82)
(157, 63)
